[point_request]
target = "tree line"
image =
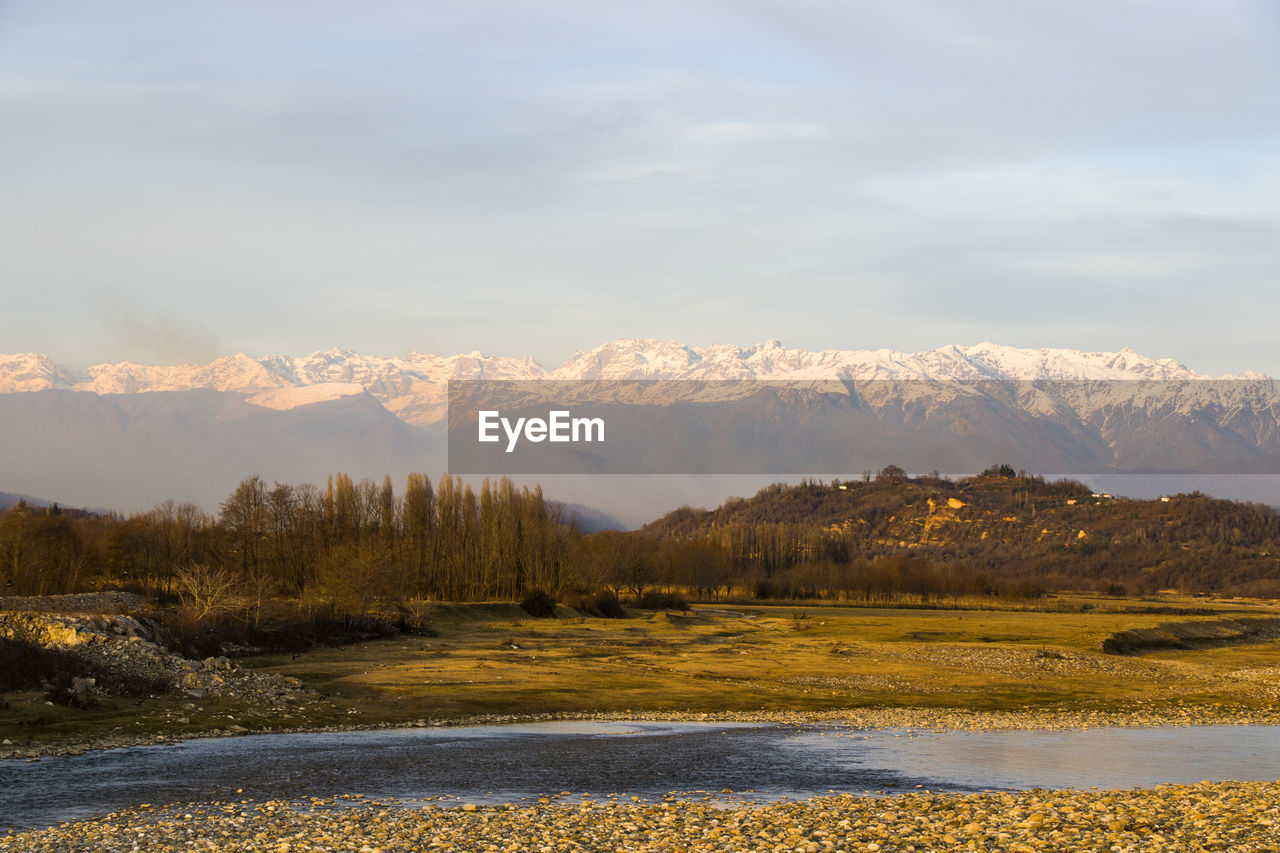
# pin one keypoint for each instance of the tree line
(354, 547)
(349, 543)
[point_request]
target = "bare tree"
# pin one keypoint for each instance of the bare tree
(203, 588)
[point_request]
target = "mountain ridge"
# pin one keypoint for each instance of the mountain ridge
(128, 434)
(414, 387)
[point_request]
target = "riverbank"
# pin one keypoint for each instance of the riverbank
(1206, 816)
(863, 667)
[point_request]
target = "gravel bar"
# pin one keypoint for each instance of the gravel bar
(1236, 816)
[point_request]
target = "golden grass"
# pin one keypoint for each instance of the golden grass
(492, 659)
(772, 658)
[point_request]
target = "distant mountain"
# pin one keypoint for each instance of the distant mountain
(589, 519)
(131, 451)
(413, 387)
(42, 505)
(127, 435)
(7, 500)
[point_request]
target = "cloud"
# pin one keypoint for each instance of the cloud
(715, 171)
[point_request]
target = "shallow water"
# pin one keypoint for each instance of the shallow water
(647, 759)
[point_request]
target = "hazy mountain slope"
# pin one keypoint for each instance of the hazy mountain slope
(126, 435)
(7, 500)
(588, 519)
(130, 451)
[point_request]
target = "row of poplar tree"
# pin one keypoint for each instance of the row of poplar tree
(356, 540)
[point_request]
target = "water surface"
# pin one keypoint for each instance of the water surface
(647, 759)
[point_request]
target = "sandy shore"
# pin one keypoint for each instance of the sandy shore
(1207, 816)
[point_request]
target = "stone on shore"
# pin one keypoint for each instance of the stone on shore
(1205, 816)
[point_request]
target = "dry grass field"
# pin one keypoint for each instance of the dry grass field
(1043, 661)
(494, 659)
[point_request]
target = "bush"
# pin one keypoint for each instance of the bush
(281, 628)
(539, 603)
(654, 600)
(1025, 589)
(603, 603)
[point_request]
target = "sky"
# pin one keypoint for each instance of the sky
(180, 181)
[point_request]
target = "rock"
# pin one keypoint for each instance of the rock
(842, 822)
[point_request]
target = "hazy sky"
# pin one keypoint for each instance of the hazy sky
(183, 180)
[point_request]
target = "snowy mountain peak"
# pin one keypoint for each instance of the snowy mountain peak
(630, 358)
(414, 387)
(29, 371)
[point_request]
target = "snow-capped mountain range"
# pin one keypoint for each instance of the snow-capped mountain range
(413, 387)
(129, 435)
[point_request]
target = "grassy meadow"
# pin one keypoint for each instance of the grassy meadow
(494, 659)
(487, 660)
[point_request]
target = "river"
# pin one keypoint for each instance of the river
(511, 763)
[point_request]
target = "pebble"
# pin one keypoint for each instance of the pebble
(1208, 816)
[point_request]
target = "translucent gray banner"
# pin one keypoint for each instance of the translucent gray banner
(826, 427)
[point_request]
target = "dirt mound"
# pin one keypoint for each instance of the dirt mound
(123, 649)
(1193, 635)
